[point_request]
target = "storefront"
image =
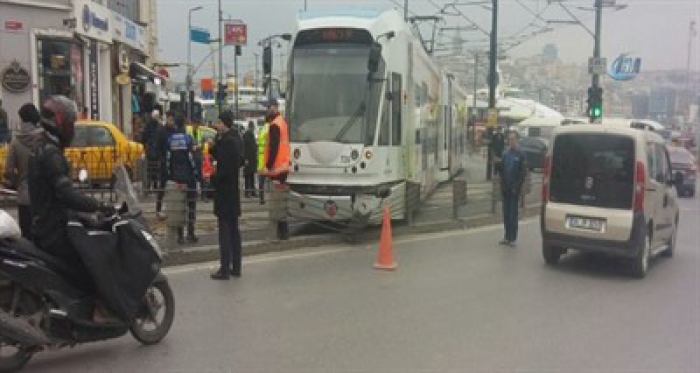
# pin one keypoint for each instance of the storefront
(37, 55)
(94, 28)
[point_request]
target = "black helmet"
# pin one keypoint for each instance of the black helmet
(59, 114)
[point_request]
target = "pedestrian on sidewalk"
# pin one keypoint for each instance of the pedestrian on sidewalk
(226, 151)
(513, 171)
(183, 171)
(250, 160)
(162, 136)
(17, 163)
(149, 139)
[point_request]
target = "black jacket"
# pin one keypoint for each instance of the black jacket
(227, 153)
(250, 147)
(52, 196)
(180, 161)
(163, 134)
(149, 138)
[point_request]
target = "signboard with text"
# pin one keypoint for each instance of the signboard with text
(236, 34)
(93, 20)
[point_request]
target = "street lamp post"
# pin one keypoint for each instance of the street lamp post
(493, 58)
(265, 44)
(220, 98)
(189, 59)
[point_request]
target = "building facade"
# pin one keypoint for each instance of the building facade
(94, 52)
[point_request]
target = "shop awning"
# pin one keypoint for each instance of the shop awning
(143, 72)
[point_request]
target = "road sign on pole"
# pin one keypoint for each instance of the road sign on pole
(597, 66)
(493, 118)
(200, 35)
(236, 33)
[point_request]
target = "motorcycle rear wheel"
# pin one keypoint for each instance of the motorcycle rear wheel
(158, 301)
(15, 361)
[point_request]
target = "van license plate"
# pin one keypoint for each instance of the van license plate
(585, 223)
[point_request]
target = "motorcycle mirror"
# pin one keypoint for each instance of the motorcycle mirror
(83, 175)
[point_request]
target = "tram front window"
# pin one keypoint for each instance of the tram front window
(332, 99)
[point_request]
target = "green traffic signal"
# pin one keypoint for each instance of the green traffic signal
(597, 111)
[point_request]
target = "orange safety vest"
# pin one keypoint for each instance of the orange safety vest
(284, 153)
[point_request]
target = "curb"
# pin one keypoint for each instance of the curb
(211, 252)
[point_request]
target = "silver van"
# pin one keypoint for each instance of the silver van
(608, 189)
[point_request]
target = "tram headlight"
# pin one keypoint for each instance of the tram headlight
(297, 153)
(354, 154)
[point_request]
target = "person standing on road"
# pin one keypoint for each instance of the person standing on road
(183, 171)
(262, 147)
(149, 139)
(4, 126)
(17, 163)
(197, 135)
(498, 144)
(513, 171)
(277, 162)
(162, 136)
(250, 160)
(227, 203)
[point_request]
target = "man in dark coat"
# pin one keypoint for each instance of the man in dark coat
(227, 204)
(51, 193)
(149, 138)
(162, 136)
(17, 163)
(513, 170)
(250, 160)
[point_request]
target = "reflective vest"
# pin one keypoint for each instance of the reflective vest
(197, 136)
(284, 153)
(262, 145)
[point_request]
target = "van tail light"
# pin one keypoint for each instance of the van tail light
(546, 174)
(639, 187)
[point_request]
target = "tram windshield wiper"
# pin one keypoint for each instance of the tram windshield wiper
(352, 120)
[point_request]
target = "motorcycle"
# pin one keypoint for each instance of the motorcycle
(43, 306)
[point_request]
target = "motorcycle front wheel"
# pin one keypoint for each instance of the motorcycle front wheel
(155, 318)
(13, 357)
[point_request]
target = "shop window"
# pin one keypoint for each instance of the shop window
(61, 69)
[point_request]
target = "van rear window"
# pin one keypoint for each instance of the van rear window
(593, 170)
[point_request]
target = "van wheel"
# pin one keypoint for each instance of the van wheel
(668, 253)
(640, 264)
(551, 254)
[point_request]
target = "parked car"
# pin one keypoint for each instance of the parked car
(682, 161)
(98, 147)
(609, 189)
(535, 149)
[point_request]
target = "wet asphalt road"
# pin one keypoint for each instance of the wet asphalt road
(458, 302)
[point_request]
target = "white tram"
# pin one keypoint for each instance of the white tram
(369, 112)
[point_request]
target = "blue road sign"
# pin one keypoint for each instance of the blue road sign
(199, 35)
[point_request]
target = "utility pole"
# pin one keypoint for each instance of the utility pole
(595, 80)
(189, 60)
(493, 58)
(691, 34)
(238, 81)
(220, 97)
(405, 10)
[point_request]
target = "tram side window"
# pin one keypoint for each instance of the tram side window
(397, 98)
(384, 125)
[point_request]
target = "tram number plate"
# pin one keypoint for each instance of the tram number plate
(585, 223)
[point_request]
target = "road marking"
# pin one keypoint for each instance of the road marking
(334, 249)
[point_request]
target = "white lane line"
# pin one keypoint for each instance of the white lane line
(333, 249)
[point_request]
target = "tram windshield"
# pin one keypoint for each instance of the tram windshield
(332, 97)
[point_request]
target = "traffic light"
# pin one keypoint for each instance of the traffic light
(221, 95)
(595, 103)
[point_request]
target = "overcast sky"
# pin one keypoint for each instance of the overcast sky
(655, 30)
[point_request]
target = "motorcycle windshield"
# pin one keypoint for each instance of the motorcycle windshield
(125, 189)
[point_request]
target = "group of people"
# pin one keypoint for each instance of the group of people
(39, 170)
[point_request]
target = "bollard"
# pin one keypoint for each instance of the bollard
(278, 211)
(175, 208)
(412, 201)
(459, 195)
(496, 193)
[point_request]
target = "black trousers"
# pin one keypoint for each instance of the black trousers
(249, 181)
(161, 190)
(230, 245)
(25, 221)
(261, 188)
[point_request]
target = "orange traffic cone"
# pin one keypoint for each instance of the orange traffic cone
(385, 260)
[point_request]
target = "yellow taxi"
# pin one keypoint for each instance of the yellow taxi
(98, 147)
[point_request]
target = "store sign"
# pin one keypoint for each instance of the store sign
(94, 82)
(15, 78)
(236, 34)
(93, 20)
(13, 25)
(625, 67)
(127, 32)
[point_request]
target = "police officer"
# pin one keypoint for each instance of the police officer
(197, 135)
(182, 170)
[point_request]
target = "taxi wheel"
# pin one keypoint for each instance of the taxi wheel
(640, 264)
(551, 254)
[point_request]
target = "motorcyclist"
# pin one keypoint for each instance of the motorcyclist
(52, 196)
